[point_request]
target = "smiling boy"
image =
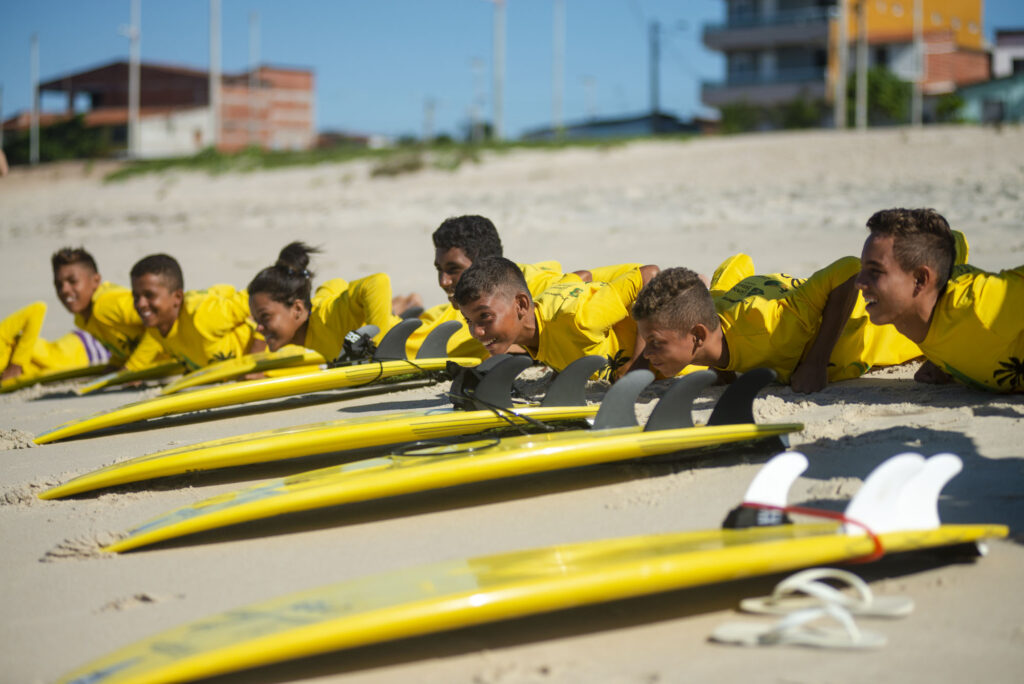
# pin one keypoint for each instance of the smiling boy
(197, 327)
(570, 319)
(110, 329)
(811, 332)
(968, 323)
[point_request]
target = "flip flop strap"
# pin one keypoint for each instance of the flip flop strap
(799, 618)
(808, 582)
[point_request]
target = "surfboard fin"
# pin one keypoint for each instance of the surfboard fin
(392, 347)
(490, 388)
(570, 386)
(675, 408)
(770, 487)
(737, 402)
(435, 345)
(618, 406)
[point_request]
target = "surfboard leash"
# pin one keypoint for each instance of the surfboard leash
(735, 520)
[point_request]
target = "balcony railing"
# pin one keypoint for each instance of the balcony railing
(783, 76)
(808, 15)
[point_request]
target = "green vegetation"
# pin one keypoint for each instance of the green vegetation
(65, 140)
(409, 157)
(800, 112)
(888, 98)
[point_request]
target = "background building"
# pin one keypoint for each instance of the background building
(272, 107)
(777, 51)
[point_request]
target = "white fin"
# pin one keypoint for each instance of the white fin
(917, 507)
(771, 484)
(876, 503)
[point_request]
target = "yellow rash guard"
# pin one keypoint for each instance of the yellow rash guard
(770, 321)
(977, 329)
(538, 277)
(340, 306)
(213, 325)
(114, 321)
(575, 319)
(21, 344)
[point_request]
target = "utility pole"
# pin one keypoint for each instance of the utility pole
(1, 116)
(215, 70)
(33, 145)
(842, 54)
(655, 59)
(558, 69)
(134, 34)
(499, 69)
(916, 103)
(862, 66)
(475, 132)
(254, 79)
(588, 91)
(429, 106)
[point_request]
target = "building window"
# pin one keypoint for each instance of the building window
(955, 23)
(1018, 66)
(972, 27)
(881, 6)
(936, 18)
(897, 10)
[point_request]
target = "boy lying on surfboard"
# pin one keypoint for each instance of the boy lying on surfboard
(967, 322)
(109, 329)
(197, 327)
(570, 319)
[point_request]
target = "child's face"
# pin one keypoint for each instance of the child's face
(888, 290)
(277, 322)
(667, 350)
(157, 304)
(450, 263)
(75, 285)
(496, 319)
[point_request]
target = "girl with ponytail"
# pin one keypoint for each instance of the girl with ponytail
(286, 310)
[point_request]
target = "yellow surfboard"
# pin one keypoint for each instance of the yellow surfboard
(53, 376)
(121, 377)
(247, 391)
(564, 406)
(289, 356)
(462, 593)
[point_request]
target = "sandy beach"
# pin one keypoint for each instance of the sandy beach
(793, 201)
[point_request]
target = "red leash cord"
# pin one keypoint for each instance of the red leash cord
(831, 515)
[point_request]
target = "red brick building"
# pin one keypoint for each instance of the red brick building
(272, 107)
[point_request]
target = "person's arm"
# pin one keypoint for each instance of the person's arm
(811, 374)
(18, 335)
(647, 273)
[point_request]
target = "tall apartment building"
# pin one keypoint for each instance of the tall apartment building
(272, 107)
(780, 50)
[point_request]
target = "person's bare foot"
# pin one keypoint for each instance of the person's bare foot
(400, 303)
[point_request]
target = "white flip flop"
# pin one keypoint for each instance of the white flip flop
(796, 629)
(863, 603)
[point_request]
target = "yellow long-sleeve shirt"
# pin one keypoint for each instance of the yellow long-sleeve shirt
(340, 306)
(576, 319)
(21, 344)
(213, 325)
(977, 329)
(114, 321)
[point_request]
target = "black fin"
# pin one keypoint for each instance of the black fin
(617, 407)
(466, 378)
(742, 517)
(675, 409)
(411, 312)
(393, 345)
(569, 387)
(495, 389)
(736, 406)
(435, 346)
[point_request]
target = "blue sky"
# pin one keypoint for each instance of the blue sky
(377, 61)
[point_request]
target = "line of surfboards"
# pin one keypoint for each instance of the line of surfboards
(897, 506)
(469, 443)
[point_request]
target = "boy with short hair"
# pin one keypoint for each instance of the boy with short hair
(570, 319)
(110, 329)
(197, 327)
(808, 331)
(967, 322)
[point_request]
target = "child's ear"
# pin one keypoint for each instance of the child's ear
(924, 279)
(298, 309)
(522, 304)
(700, 335)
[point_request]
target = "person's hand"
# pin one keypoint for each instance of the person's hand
(809, 377)
(11, 372)
(931, 374)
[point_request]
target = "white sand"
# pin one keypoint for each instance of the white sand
(793, 201)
